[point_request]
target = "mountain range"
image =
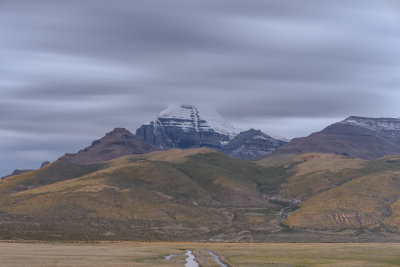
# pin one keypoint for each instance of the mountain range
(186, 126)
(189, 176)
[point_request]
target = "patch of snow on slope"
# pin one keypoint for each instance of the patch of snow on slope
(216, 122)
(260, 137)
(376, 124)
(177, 112)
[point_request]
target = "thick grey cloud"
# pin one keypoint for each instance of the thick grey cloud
(71, 70)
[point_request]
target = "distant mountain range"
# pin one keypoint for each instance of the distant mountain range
(185, 126)
(182, 127)
(187, 176)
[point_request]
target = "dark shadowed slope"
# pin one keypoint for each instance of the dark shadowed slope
(251, 144)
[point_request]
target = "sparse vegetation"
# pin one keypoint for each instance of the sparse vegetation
(200, 195)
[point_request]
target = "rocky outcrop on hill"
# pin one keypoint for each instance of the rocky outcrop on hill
(117, 143)
(17, 172)
(44, 164)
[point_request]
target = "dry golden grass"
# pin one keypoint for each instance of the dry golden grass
(313, 162)
(317, 162)
(315, 173)
(359, 202)
(177, 155)
(394, 219)
(108, 254)
(276, 160)
(235, 254)
(190, 189)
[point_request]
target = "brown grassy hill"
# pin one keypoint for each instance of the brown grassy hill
(176, 194)
(201, 194)
(58, 171)
(370, 200)
(312, 173)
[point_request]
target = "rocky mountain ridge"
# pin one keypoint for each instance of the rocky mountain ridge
(251, 144)
(359, 137)
(117, 143)
(383, 126)
(186, 126)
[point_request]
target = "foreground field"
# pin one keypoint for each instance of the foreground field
(233, 254)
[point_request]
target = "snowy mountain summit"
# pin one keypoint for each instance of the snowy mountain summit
(185, 126)
(189, 118)
(382, 126)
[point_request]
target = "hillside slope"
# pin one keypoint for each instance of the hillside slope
(368, 201)
(367, 138)
(201, 194)
(176, 194)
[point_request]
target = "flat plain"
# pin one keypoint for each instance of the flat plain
(232, 254)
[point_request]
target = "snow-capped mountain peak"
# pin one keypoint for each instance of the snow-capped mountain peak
(187, 126)
(189, 117)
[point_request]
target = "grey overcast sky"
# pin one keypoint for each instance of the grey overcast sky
(71, 70)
